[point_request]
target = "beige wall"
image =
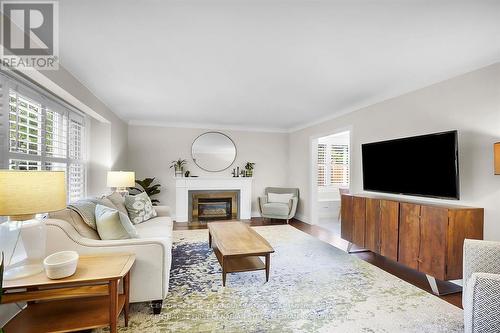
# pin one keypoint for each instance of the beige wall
(469, 103)
(151, 150)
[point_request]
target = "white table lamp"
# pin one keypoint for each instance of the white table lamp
(120, 180)
(23, 194)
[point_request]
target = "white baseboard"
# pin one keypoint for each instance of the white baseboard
(256, 214)
(301, 218)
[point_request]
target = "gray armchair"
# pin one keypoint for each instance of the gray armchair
(481, 286)
(279, 210)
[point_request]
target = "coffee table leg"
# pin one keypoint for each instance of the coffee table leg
(113, 305)
(209, 240)
(126, 291)
(268, 262)
(223, 272)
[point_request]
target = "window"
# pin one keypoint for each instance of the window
(339, 165)
(322, 164)
(42, 135)
(333, 161)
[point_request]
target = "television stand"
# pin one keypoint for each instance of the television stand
(427, 237)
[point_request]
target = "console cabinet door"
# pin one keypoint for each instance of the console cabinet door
(359, 207)
(409, 234)
(462, 224)
(389, 229)
(433, 241)
(372, 227)
(346, 217)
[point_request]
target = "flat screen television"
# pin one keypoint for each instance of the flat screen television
(425, 165)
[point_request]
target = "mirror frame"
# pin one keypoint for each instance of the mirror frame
(214, 132)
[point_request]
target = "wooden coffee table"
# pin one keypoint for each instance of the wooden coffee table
(238, 248)
(88, 299)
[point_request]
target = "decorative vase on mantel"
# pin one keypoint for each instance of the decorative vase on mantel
(249, 169)
(179, 171)
(178, 167)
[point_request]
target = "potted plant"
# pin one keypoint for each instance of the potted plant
(178, 167)
(249, 169)
(146, 186)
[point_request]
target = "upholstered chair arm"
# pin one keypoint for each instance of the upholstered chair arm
(480, 257)
(481, 303)
(292, 204)
(162, 210)
(262, 201)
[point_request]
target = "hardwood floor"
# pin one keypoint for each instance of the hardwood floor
(411, 276)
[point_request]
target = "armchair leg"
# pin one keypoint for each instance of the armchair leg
(156, 306)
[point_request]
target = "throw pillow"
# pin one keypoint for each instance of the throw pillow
(139, 207)
(86, 209)
(113, 224)
(73, 218)
(279, 197)
(119, 202)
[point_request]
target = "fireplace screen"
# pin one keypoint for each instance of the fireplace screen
(207, 206)
(214, 208)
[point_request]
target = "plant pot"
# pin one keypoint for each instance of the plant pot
(249, 173)
(179, 171)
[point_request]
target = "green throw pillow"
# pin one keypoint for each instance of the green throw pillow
(112, 224)
(139, 207)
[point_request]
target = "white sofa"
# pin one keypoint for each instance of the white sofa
(150, 273)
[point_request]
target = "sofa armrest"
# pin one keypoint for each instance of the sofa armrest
(292, 204)
(262, 201)
(162, 210)
(481, 302)
(150, 273)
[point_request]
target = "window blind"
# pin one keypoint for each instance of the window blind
(322, 172)
(333, 165)
(42, 135)
(339, 165)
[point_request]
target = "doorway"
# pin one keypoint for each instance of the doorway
(330, 174)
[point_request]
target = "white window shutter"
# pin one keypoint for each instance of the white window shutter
(339, 165)
(40, 134)
(322, 172)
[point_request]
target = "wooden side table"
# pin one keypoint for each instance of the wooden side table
(88, 299)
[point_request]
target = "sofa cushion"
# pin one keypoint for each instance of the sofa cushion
(118, 201)
(86, 209)
(279, 197)
(158, 227)
(76, 221)
(113, 224)
(275, 208)
(139, 207)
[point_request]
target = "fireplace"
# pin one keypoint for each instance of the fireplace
(213, 205)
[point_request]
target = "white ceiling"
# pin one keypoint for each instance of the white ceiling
(268, 64)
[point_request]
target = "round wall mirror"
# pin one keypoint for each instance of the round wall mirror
(213, 151)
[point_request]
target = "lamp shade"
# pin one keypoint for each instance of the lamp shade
(31, 192)
(121, 178)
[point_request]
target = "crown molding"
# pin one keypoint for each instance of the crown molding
(208, 126)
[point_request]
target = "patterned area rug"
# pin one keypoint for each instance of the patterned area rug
(314, 287)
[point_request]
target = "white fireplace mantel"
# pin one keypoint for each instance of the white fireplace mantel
(186, 184)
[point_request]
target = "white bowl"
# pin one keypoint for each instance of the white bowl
(61, 264)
